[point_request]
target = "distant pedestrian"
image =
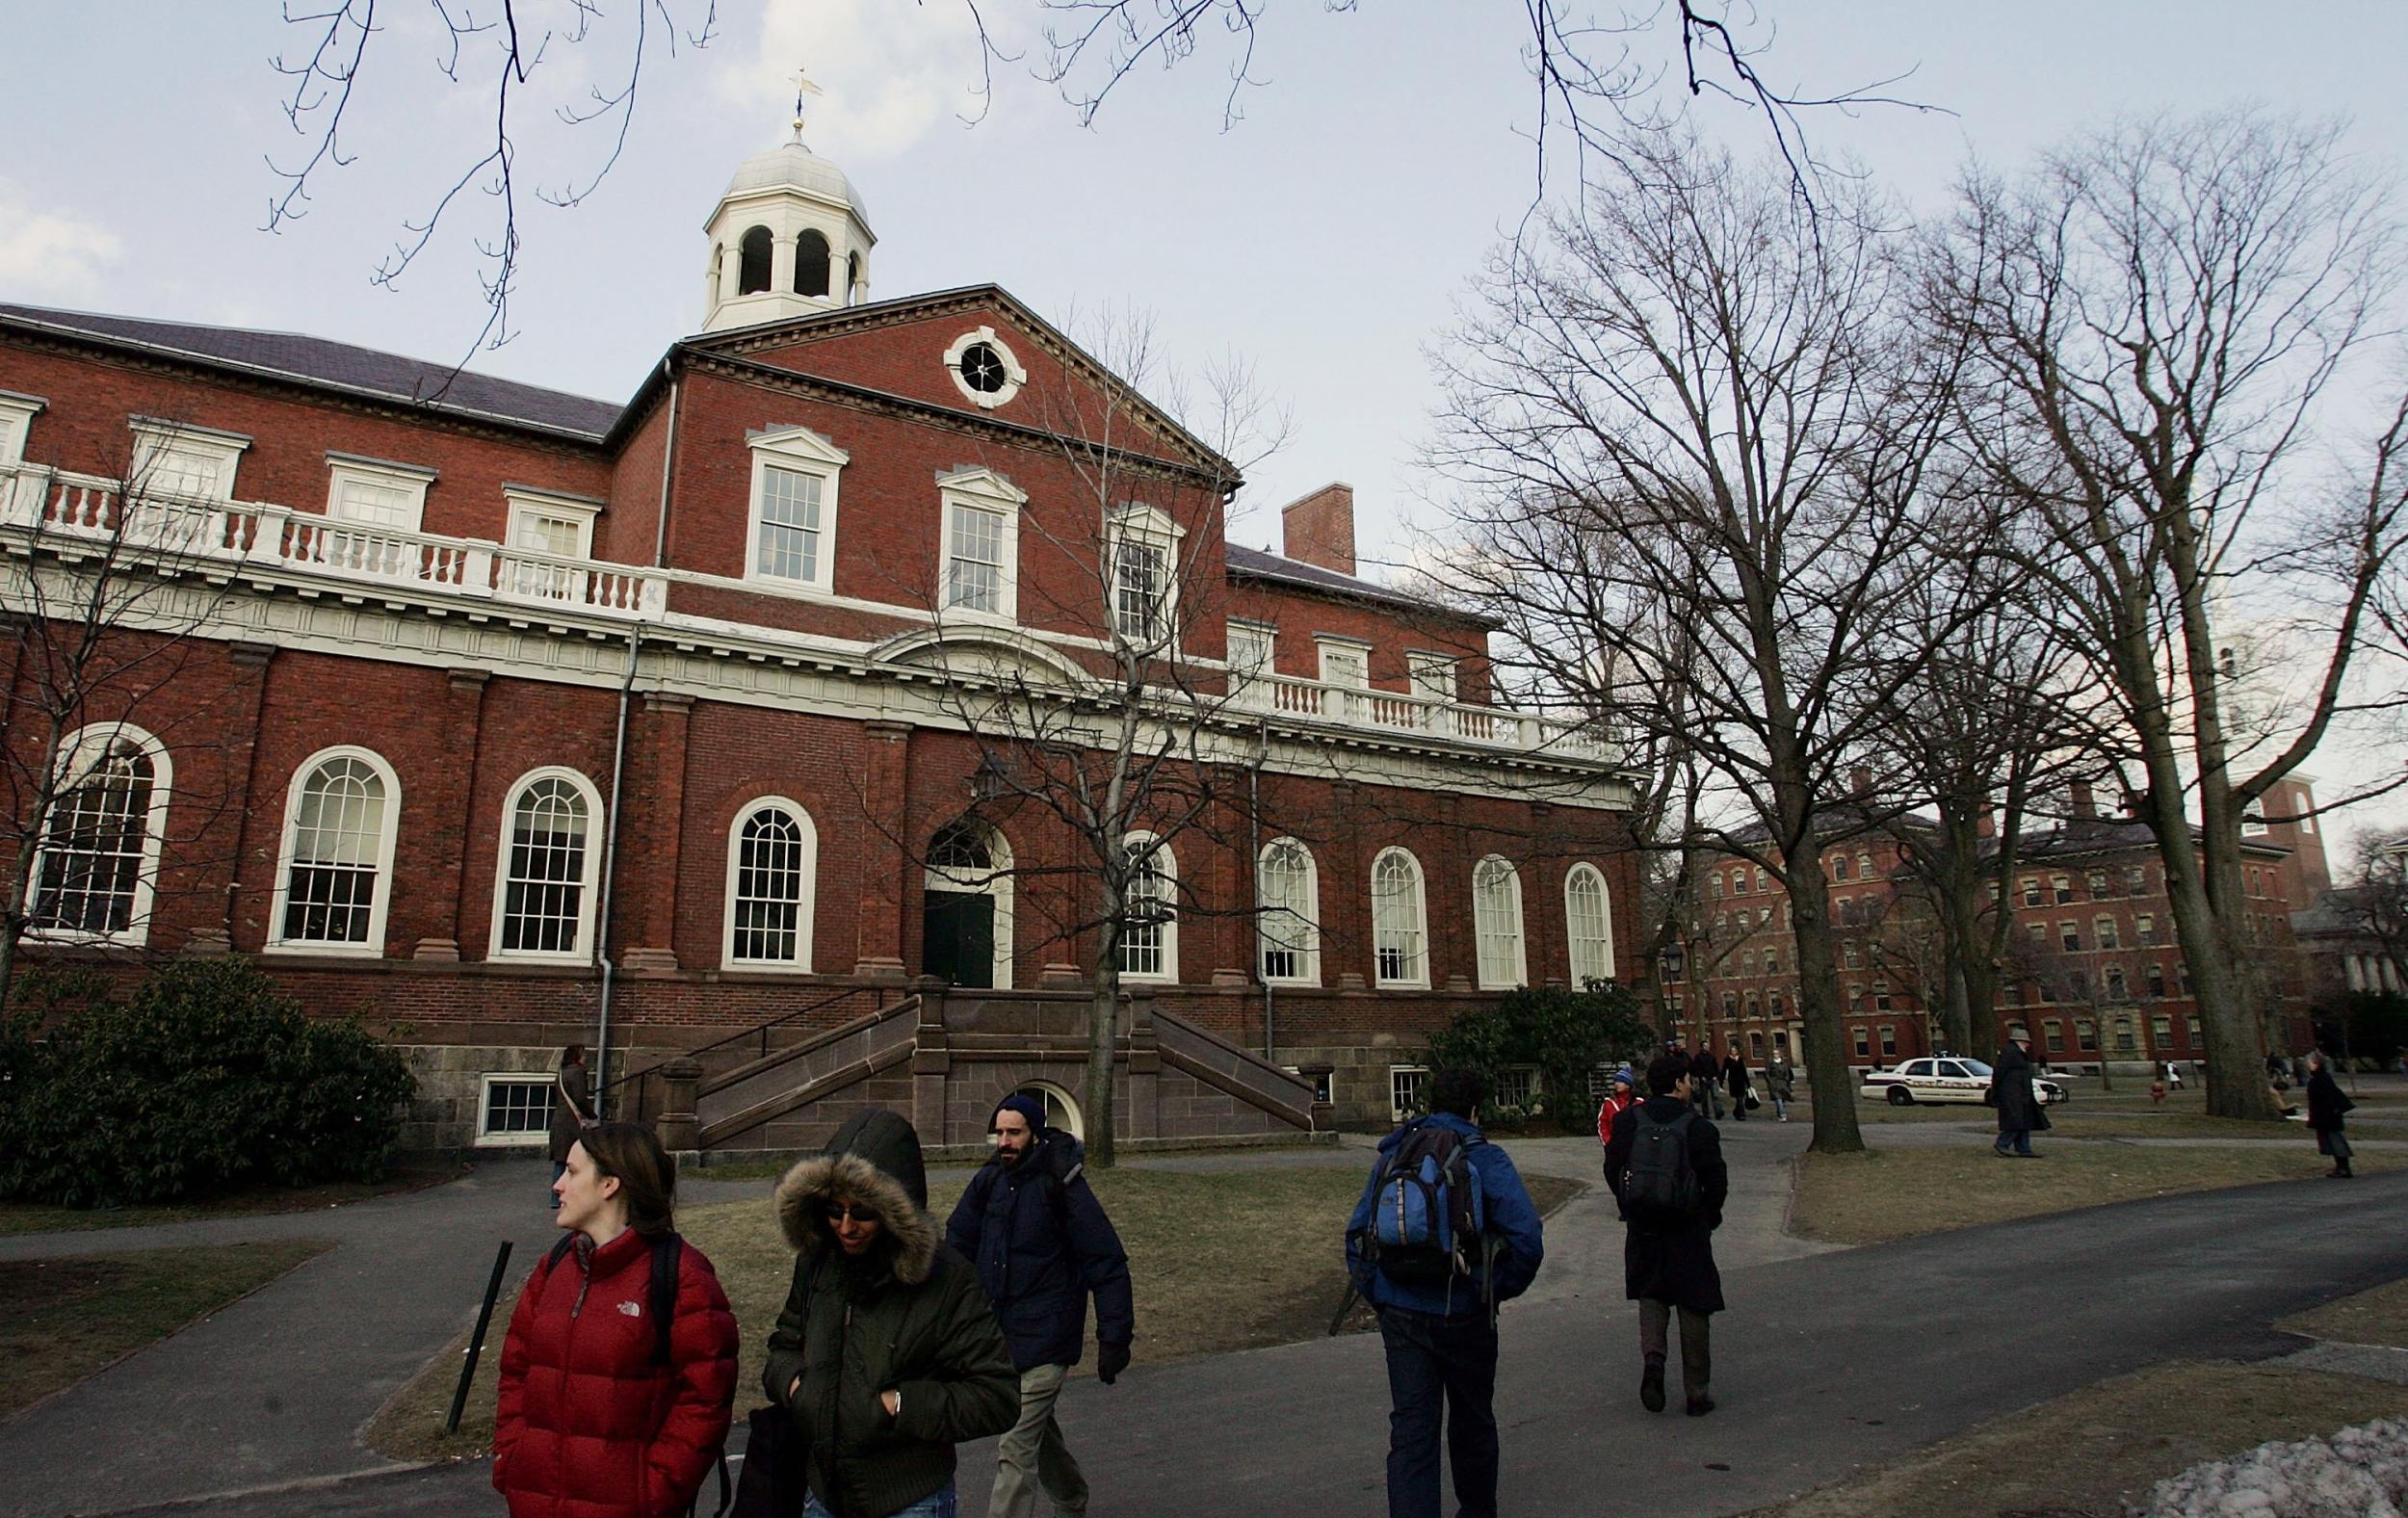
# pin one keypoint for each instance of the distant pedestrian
(1735, 1077)
(1619, 1096)
(1042, 1246)
(1438, 1307)
(2015, 1098)
(618, 1369)
(887, 1354)
(572, 1109)
(1705, 1087)
(1781, 1084)
(2326, 1105)
(2173, 1075)
(1665, 1166)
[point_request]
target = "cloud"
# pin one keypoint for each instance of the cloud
(891, 72)
(51, 253)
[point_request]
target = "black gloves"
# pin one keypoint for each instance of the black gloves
(1111, 1359)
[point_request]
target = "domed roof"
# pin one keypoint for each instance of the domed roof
(791, 165)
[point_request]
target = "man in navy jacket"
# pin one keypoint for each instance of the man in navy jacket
(1442, 1338)
(1042, 1246)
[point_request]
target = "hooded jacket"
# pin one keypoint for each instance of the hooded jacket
(907, 1316)
(587, 1425)
(1042, 1246)
(1505, 1204)
(1673, 1263)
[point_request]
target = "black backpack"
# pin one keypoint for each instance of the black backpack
(1426, 1215)
(1657, 1183)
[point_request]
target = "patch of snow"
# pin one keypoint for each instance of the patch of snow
(2357, 1473)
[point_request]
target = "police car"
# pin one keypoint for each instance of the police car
(1951, 1078)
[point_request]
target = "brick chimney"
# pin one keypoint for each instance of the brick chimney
(2081, 803)
(1860, 781)
(1986, 823)
(1319, 528)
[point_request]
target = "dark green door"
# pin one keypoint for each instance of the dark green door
(957, 938)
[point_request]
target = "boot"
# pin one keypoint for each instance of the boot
(1651, 1384)
(1696, 1362)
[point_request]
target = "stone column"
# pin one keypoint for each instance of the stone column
(656, 810)
(1145, 1067)
(455, 796)
(885, 769)
(679, 1127)
(931, 1065)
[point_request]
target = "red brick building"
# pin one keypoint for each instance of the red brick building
(507, 716)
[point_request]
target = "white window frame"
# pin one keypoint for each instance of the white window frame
(1345, 649)
(1307, 947)
(80, 752)
(1014, 376)
(805, 452)
(985, 491)
(1503, 961)
(1581, 973)
(577, 509)
(581, 949)
(1243, 672)
(1324, 1084)
(378, 474)
(1431, 675)
(1413, 971)
(534, 1139)
(1164, 866)
(373, 947)
(16, 424)
(1153, 527)
(806, 899)
(1401, 1077)
(157, 441)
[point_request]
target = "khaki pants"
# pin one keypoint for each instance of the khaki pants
(1033, 1454)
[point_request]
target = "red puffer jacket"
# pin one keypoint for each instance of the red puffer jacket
(588, 1426)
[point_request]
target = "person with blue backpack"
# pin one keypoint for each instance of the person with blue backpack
(1445, 1232)
(1664, 1165)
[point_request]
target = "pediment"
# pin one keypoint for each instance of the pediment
(982, 651)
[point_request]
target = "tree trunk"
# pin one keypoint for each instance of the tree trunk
(1836, 1129)
(1103, 1028)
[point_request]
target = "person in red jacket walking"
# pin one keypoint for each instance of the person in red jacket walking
(1619, 1099)
(600, 1415)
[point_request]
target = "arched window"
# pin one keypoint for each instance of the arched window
(339, 822)
(543, 886)
(772, 874)
(852, 276)
(1400, 928)
(752, 268)
(1588, 921)
(1288, 892)
(1149, 935)
(1497, 921)
(99, 855)
(810, 264)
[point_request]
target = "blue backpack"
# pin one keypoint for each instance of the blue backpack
(1428, 1220)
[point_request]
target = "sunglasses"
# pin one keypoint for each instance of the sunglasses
(838, 1212)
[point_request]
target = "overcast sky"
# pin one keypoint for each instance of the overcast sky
(1323, 238)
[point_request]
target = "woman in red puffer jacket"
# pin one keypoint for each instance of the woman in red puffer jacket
(1619, 1099)
(591, 1423)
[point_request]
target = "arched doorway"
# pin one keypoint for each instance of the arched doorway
(965, 918)
(1062, 1108)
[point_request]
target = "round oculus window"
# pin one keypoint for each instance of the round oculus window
(982, 369)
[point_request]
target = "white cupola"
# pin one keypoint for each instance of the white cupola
(787, 239)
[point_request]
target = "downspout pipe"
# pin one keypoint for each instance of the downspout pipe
(1254, 847)
(618, 770)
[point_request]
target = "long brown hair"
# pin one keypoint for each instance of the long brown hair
(647, 1177)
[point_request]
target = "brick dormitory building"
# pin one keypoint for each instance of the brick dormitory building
(508, 717)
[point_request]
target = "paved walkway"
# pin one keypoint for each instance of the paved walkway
(1816, 1375)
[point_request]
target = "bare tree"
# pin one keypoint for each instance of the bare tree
(107, 584)
(1696, 406)
(2167, 323)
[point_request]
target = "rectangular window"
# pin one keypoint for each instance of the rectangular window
(1348, 665)
(2096, 880)
(1432, 676)
(1406, 1082)
(1516, 1087)
(2053, 1034)
(2155, 978)
(2109, 937)
(2191, 1025)
(16, 418)
(2039, 935)
(1851, 956)
(2145, 931)
(1772, 962)
(2113, 980)
(515, 1111)
(1140, 586)
(1324, 1084)
(974, 566)
(2136, 881)
(2063, 886)
(1250, 650)
(2085, 1034)
(372, 502)
(2069, 935)
(2032, 890)
(1888, 1041)
(1864, 1046)
(2162, 1028)
(788, 543)
(2125, 1042)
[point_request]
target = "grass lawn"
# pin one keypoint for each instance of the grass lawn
(1891, 1194)
(68, 1317)
(2376, 1317)
(24, 1218)
(1221, 1260)
(2096, 1448)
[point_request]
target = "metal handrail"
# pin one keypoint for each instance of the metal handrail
(760, 1030)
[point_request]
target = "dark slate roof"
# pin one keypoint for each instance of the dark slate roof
(1261, 565)
(2083, 835)
(317, 361)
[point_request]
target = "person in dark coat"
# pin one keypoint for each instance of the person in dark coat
(2326, 1105)
(1043, 1246)
(1668, 1261)
(1735, 1077)
(572, 1110)
(2011, 1091)
(887, 1354)
(1704, 1073)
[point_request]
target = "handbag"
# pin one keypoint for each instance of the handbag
(585, 1124)
(771, 1484)
(1753, 1101)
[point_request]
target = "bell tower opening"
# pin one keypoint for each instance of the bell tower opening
(788, 238)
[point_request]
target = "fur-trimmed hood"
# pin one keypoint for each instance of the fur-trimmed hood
(873, 1159)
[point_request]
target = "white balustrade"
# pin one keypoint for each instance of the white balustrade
(1487, 726)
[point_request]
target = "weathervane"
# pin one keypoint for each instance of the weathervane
(803, 89)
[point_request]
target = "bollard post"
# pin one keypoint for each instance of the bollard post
(476, 1340)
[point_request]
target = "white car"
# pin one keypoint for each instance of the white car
(1949, 1079)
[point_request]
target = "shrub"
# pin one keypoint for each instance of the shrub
(205, 1078)
(1564, 1034)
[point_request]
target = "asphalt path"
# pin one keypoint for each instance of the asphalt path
(1827, 1363)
